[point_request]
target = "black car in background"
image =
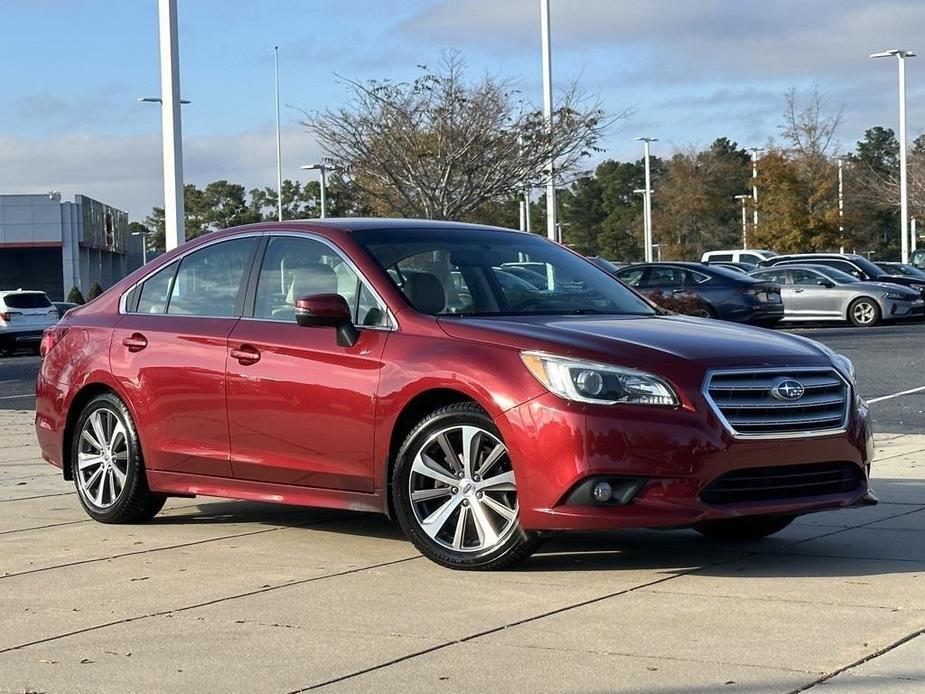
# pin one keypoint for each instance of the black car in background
(743, 268)
(857, 266)
(902, 269)
(717, 291)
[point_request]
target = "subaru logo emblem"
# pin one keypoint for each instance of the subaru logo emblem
(787, 389)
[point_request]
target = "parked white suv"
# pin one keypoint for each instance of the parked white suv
(24, 315)
(753, 256)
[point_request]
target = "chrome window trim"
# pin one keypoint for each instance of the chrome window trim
(179, 258)
(849, 401)
(393, 322)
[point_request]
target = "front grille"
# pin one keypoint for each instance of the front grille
(749, 407)
(782, 482)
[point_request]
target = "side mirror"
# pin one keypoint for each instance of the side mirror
(825, 283)
(327, 311)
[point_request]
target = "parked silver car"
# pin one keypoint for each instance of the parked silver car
(821, 293)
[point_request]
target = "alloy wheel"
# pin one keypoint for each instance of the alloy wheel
(864, 312)
(102, 458)
(462, 489)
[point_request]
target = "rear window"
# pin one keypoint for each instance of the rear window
(27, 300)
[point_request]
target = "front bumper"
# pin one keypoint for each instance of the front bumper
(903, 309)
(556, 444)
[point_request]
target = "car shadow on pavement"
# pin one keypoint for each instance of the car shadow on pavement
(840, 543)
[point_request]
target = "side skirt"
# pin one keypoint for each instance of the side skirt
(183, 484)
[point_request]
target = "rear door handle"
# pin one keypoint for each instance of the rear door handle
(797, 291)
(135, 342)
(246, 354)
(677, 291)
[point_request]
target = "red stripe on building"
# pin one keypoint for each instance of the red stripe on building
(31, 244)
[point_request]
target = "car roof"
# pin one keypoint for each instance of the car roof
(351, 224)
(7, 292)
(787, 266)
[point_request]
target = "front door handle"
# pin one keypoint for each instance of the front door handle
(797, 291)
(135, 342)
(677, 291)
(246, 354)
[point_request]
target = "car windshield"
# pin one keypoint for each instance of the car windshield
(480, 272)
(867, 266)
(908, 271)
(836, 275)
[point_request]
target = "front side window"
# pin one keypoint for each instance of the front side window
(297, 267)
(476, 272)
(208, 281)
(779, 276)
(665, 277)
(805, 278)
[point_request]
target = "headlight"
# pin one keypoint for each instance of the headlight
(917, 287)
(601, 384)
(897, 296)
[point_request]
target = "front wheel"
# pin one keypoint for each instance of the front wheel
(742, 529)
(455, 493)
(864, 312)
(107, 464)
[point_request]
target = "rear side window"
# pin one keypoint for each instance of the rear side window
(719, 257)
(750, 258)
(27, 300)
(156, 289)
(209, 280)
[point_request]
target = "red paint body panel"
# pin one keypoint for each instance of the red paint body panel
(310, 422)
(304, 413)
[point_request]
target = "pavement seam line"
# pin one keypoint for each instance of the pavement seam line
(860, 661)
(226, 598)
(510, 625)
(30, 498)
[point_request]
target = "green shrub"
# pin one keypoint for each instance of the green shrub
(94, 292)
(75, 297)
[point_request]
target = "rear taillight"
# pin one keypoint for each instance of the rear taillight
(51, 337)
(54, 314)
(8, 315)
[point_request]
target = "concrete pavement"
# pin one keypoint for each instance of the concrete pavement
(222, 596)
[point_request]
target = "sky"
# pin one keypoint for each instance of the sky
(688, 71)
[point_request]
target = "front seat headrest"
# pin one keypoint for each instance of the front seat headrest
(425, 292)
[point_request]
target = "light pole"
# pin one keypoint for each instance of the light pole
(279, 151)
(754, 151)
(841, 208)
(647, 216)
(901, 54)
(322, 169)
(744, 198)
(171, 131)
(645, 224)
(551, 229)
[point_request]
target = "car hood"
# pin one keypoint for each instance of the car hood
(638, 340)
(885, 287)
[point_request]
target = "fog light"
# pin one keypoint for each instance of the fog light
(602, 492)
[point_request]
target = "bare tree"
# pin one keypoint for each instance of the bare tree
(441, 147)
(809, 124)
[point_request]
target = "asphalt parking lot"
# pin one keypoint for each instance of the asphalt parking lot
(223, 596)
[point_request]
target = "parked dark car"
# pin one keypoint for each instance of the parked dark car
(743, 268)
(857, 266)
(902, 269)
(604, 264)
(345, 364)
(720, 292)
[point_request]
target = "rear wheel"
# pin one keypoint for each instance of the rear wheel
(705, 311)
(864, 312)
(455, 494)
(742, 529)
(107, 465)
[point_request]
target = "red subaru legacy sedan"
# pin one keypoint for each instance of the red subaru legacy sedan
(483, 386)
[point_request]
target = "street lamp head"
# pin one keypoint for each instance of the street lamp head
(743, 197)
(898, 52)
(312, 167)
(647, 139)
(158, 100)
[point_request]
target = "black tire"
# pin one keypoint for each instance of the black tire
(864, 312)
(515, 545)
(743, 529)
(135, 503)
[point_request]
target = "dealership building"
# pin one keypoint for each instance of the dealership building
(53, 245)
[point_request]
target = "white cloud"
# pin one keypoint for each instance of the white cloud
(126, 171)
